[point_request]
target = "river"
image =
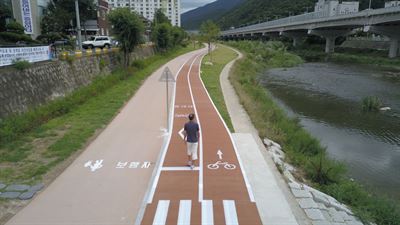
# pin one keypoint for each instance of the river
(327, 98)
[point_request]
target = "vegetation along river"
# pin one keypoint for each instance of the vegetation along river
(327, 99)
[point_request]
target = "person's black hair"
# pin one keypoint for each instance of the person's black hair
(191, 116)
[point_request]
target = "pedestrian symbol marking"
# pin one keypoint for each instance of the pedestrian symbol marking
(94, 166)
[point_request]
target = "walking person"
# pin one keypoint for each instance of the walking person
(191, 137)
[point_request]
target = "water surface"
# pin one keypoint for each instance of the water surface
(327, 99)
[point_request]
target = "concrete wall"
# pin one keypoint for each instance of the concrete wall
(46, 81)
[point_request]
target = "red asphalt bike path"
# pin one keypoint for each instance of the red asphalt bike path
(216, 191)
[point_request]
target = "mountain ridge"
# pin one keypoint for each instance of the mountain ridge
(192, 19)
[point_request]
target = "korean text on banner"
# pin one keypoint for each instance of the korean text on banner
(26, 16)
(32, 54)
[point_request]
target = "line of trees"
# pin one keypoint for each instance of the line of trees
(128, 28)
(163, 34)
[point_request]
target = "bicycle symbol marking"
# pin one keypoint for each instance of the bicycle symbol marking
(216, 165)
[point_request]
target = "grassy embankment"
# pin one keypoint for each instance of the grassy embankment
(302, 150)
(376, 58)
(33, 143)
(210, 76)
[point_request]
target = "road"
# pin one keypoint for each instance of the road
(215, 192)
(123, 178)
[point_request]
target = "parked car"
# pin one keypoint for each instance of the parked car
(97, 42)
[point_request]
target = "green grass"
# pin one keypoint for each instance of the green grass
(33, 143)
(211, 78)
(302, 150)
(343, 55)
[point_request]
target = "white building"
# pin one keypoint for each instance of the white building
(392, 4)
(147, 8)
(334, 8)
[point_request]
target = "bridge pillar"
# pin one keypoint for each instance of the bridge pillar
(330, 37)
(392, 32)
(297, 36)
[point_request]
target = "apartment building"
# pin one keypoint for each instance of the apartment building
(334, 8)
(147, 8)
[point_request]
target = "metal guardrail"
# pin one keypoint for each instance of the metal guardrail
(309, 17)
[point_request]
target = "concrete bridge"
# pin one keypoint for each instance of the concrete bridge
(385, 21)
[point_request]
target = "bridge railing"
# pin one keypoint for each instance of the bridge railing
(308, 17)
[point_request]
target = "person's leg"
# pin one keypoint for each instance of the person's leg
(194, 153)
(189, 153)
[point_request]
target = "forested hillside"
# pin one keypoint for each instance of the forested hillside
(252, 11)
(191, 20)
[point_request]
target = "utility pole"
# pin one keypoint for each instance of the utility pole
(370, 1)
(78, 25)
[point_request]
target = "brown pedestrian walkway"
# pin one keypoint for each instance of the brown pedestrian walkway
(215, 192)
(107, 183)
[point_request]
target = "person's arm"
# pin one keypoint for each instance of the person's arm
(198, 132)
(184, 133)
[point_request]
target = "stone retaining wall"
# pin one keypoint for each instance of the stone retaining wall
(319, 207)
(46, 81)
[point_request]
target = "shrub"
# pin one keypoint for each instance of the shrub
(139, 64)
(102, 63)
(21, 65)
(371, 104)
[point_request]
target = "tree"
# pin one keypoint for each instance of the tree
(5, 12)
(128, 28)
(209, 32)
(160, 17)
(161, 36)
(60, 13)
(14, 32)
(178, 35)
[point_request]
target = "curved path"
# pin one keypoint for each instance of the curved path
(215, 192)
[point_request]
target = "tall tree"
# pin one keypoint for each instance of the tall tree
(128, 28)
(60, 16)
(160, 17)
(209, 32)
(161, 36)
(5, 12)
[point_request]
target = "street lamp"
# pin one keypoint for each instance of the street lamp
(78, 25)
(370, 1)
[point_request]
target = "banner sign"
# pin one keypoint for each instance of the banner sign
(26, 16)
(8, 56)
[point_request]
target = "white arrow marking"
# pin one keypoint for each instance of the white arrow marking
(219, 153)
(181, 134)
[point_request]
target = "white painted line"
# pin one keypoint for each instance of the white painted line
(162, 212)
(207, 212)
(185, 207)
(248, 186)
(150, 194)
(230, 213)
(201, 134)
(182, 168)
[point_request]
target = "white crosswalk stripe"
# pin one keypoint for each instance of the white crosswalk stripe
(185, 208)
(185, 211)
(161, 214)
(207, 214)
(230, 212)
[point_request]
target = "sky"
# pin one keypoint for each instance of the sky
(187, 5)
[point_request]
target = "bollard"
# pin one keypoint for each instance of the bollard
(78, 54)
